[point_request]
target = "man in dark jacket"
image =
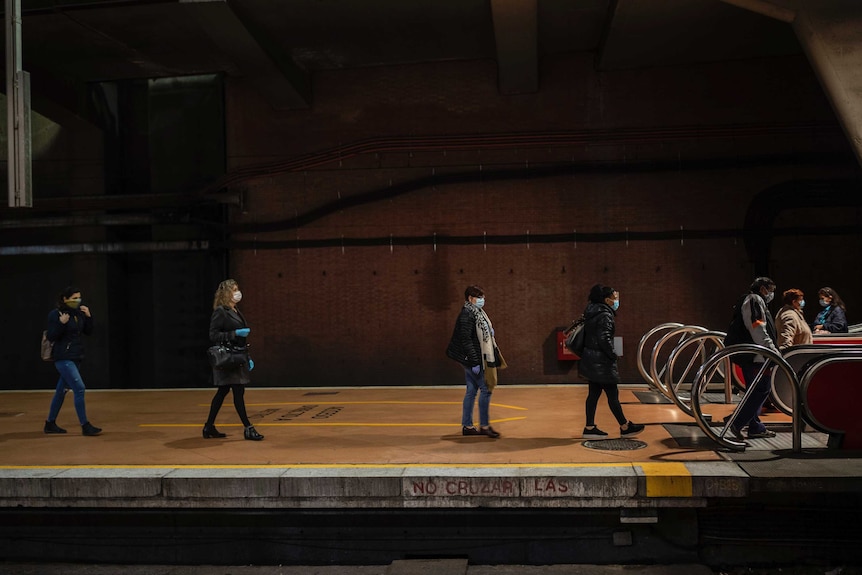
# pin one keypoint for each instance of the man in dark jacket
(599, 361)
(752, 323)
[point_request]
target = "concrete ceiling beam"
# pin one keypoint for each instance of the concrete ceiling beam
(778, 9)
(516, 36)
(273, 73)
(830, 33)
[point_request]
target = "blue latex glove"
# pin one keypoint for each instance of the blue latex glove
(243, 332)
(250, 364)
(476, 369)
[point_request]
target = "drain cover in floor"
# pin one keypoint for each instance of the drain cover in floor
(615, 444)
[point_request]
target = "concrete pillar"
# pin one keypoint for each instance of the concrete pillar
(830, 33)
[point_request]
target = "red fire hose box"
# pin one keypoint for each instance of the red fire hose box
(564, 353)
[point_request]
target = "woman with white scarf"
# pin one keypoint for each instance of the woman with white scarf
(473, 346)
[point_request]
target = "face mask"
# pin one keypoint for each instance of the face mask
(72, 303)
(237, 296)
(480, 302)
(616, 305)
(768, 297)
(823, 303)
(802, 304)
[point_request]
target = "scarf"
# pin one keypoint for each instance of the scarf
(821, 317)
(491, 358)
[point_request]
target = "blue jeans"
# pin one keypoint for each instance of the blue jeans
(749, 412)
(70, 378)
(475, 384)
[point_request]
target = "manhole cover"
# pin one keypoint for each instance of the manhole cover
(615, 444)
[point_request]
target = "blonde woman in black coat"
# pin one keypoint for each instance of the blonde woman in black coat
(228, 326)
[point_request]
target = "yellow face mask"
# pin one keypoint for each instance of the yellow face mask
(72, 303)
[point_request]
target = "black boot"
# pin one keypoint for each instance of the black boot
(90, 429)
(211, 431)
(52, 427)
(252, 434)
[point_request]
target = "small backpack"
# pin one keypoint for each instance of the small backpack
(736, 331)
(47, 347)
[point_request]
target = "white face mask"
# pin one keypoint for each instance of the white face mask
(237, 296)
(801, 303)
(768, 297)
(480, 302)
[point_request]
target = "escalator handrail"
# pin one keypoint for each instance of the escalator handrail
(747, 349)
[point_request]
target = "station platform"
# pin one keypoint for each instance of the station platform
(370, 449)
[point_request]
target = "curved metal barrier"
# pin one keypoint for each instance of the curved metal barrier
(831, 393)
(678, 383)
(797, 356)
(643, 346)
(811, 364)
(675, 336)
(722, 358)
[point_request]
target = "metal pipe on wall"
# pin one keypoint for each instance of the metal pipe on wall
(106, 248)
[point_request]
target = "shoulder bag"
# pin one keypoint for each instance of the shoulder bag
(575, 337)
(225, 356)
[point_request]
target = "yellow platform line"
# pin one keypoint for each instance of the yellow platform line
(667, 479)
(501, 405)
(325, 424)
(565, 465)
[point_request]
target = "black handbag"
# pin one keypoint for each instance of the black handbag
(227, 356)
(575, 337)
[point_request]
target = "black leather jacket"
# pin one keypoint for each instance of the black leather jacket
(223, 325)
(599, 361)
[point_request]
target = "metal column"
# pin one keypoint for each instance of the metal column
(18, 113)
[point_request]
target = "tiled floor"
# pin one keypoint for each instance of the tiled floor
(337, 426)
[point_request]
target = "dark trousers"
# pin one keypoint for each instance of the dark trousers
(613, 394)
(238, 403)
(755, 398)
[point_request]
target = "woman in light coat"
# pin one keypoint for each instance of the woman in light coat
(790, 324)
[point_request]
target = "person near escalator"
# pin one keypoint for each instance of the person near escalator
(833, 316)
(752, 323)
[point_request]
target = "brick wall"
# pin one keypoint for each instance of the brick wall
(710, 139)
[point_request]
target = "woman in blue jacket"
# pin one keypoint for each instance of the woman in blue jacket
(66, 324)
(833, 317)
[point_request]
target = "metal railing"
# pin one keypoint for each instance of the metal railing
(679, 383)
(694, 349)
(723, 358)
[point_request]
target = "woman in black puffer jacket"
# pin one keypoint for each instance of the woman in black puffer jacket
(598, 362)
